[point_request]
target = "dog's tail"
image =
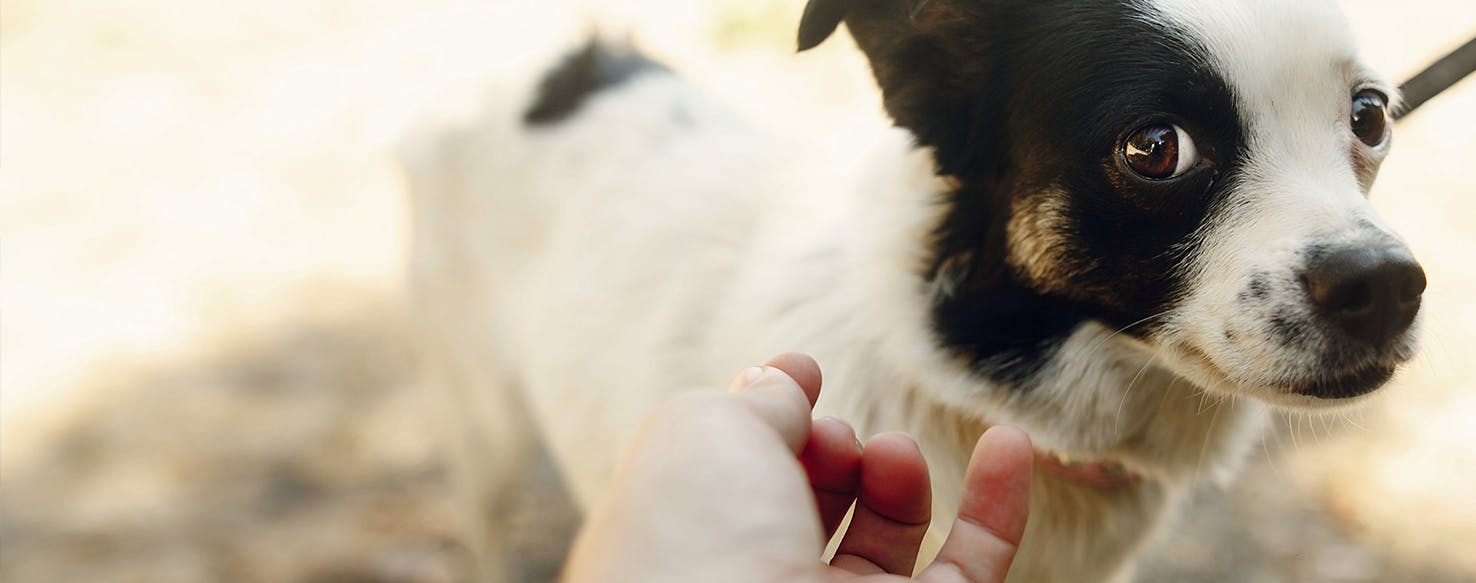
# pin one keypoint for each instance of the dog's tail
(499, 154)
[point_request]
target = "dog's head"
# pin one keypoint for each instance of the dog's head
(1193, 173)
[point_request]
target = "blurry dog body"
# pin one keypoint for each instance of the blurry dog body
(1021, 249)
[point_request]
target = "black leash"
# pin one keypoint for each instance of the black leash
(1437, 78)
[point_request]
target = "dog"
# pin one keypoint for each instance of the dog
(1131, 227)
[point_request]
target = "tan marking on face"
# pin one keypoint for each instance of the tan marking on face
(1039, 249)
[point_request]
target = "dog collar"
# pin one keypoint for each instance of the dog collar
(1097, 474)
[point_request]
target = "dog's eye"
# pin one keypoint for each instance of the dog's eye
(1160, 151)
(1370, 117)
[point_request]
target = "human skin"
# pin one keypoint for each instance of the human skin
(743, 486)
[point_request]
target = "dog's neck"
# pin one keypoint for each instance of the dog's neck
(1093, 474)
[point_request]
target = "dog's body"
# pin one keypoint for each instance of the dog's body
(613, 237)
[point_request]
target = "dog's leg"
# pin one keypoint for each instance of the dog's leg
(489, 444)
(490, 437)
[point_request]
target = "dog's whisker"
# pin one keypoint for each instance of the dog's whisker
(1435, 335)
(1433, 332)
(1204, 397)
(1273, 462)
(1104, 340)
(1209, 433)
(1117, 421)
(1166, 392)
(1277, 460)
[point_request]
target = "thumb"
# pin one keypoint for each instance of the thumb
(778, 401)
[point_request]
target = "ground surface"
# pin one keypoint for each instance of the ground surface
(205, 373)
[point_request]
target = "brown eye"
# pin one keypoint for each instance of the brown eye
(1160, 151)
(1370, 117)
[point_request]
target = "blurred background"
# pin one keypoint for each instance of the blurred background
(204, 374)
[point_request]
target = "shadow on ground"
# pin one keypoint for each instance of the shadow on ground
(302, 452)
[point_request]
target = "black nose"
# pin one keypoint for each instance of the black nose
(1370, 293)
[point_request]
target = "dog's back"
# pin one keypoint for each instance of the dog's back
(546, 221)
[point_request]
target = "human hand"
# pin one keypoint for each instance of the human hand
(742, 486)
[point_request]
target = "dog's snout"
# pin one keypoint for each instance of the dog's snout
(1369, 293)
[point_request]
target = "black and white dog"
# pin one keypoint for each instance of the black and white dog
(1123, 225)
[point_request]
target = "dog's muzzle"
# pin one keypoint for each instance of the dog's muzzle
(1365, 299)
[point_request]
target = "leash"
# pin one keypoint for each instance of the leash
(1438, 77)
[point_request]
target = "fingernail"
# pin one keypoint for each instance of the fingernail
(843, 423)
(747, 377)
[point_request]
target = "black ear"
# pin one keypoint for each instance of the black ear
(823, 16)
(931, 60)
(820, 20)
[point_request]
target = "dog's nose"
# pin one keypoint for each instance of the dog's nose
(1371, 293)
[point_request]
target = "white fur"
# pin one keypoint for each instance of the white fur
(1294, 70)
(590, 269)
(643, 284)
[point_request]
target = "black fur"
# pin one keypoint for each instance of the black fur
(1287, 328)
(820, 20)
(1017, 96)
(822, 17)
(582, 74)
(1356, 384)
(1258, 290)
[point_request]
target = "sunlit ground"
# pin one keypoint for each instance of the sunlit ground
(203, 373)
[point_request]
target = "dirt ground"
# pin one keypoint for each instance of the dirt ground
(299, 450)
(204, 374)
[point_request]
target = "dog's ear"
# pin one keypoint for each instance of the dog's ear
(933, 61)
(823, 16)
(820, 20)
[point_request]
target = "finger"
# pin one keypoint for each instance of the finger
(777, 400)
(892, 511)
(992, 516)
(803, 369)
(832, 461)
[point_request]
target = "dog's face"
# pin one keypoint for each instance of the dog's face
(1193, 173)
